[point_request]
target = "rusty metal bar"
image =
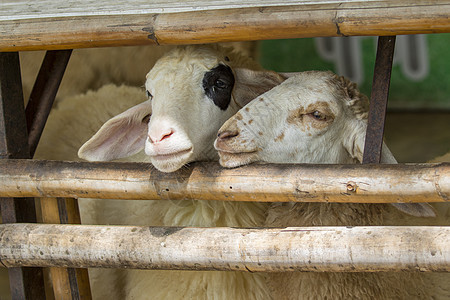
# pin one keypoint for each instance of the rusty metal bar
(44, 93)
(379, 99)
(26, 283)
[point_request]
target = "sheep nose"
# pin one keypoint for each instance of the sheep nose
(159, 136)
(226, 135)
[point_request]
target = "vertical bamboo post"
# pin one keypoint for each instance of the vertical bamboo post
(68, 283)
(65, 282)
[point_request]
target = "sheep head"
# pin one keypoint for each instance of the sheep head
(305, 119)
(191, 91)
(312, 117)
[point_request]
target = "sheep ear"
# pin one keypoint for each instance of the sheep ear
(355, 148)
(423, 210)
(121, 136)
(355, 145)
(250, 84)
(289, 74)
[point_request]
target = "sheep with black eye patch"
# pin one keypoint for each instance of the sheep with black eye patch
(191, 92)
(318, 117)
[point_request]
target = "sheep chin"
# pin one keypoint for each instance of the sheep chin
(234, 160)
(172, 162)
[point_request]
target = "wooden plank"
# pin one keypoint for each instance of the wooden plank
(209, 181)
(26, 283)
(337, 249)
(77, 24)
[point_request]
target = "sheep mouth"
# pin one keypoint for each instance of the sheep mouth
(235, 159)
(235, 152)
(172, 155)
(238, 149)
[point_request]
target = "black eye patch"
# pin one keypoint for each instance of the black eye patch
(218, 84)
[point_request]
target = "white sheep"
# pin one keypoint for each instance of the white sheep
(318, 117)
(90, 69)
(191, 92)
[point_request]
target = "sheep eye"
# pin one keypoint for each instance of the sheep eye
(318, 116)
(146, 119)
(150, 96)
(220, 84)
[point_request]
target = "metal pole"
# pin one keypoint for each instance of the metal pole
(379, 99)
(44, 93)
(26, 283)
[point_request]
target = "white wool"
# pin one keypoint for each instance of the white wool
(279, 126)
(76, 119)
(61, 141)
(90, 69)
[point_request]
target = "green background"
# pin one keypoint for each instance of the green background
(432, 92)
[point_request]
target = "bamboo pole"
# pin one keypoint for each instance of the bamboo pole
(66, 282)
(59, 276)
(49, 25)
(209, 181)
(352, 249)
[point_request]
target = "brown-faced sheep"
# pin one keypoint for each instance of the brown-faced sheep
(318, 117)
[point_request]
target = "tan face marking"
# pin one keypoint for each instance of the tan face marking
(280, 137)
(304, 117)
(238, 116)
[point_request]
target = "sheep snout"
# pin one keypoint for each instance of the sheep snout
(233, 150)
(227, 135)
(159, 136)
(225, 141)
(167, 145)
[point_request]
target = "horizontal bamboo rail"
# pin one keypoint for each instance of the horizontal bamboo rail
(209, 181)
(55, 24)
(351, 249)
